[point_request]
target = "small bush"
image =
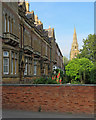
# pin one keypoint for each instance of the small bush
(44, 80)
(75, 82)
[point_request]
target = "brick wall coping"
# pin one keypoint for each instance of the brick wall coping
(47, 85)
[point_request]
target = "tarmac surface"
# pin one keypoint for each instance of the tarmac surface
(31, 114)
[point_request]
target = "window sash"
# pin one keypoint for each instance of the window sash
(35, 62)
(15, 55)
(15, 65)
(8, 25)
(5, 65)
(35, 69)
(5, 23)
(11, 27)
(29, 69)
(25, 72)
(12, 66)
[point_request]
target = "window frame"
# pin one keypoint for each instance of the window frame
(12, 63)
(6, 57)
(8, 25)
(15, 63)
(35, 67)
(26, 66)
(5, 23)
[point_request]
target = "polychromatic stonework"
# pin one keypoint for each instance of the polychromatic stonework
(74, 48)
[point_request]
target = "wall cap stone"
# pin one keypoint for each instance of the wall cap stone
(47, 85)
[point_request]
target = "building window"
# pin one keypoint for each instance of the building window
(26, 64)
(15, 63)
(35, 67)
(8, 25)
(46, 49)
(30, 67)
(5, 20)
(12, 59)
(5, 62)
(11, 26)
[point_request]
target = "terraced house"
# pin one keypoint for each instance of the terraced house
(28, 50)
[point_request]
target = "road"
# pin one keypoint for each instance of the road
(31, 114)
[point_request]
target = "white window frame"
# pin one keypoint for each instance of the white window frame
(5, 56)
(7, 65)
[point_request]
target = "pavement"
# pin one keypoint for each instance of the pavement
(31, 114)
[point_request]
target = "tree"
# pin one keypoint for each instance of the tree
(65, 60)
(79, 69)
(93, 75)
(89, 48)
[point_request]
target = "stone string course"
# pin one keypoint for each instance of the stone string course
(50, 98)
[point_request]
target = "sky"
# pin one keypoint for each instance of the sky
(63, 16)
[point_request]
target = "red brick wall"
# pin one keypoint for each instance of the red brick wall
(55, 98)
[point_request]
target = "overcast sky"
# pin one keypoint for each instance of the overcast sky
(63, 16)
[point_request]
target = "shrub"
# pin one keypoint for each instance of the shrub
(43, 80)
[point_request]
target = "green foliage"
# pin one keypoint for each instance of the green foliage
(93, 75)
(44, 80)
(89, 48)
(65, 60)
(39, 109)
(78, 69)
(75, 82)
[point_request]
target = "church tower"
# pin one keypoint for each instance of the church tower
(74, 48)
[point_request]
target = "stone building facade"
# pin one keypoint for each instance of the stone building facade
(28, 50)
(74, 48)
(0, 43)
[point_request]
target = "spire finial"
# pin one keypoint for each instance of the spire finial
(74, 29)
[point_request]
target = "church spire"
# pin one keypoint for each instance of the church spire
(74, 30)
(75, 36)
(74, 48)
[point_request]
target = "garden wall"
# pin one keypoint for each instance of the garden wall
(52, 98)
